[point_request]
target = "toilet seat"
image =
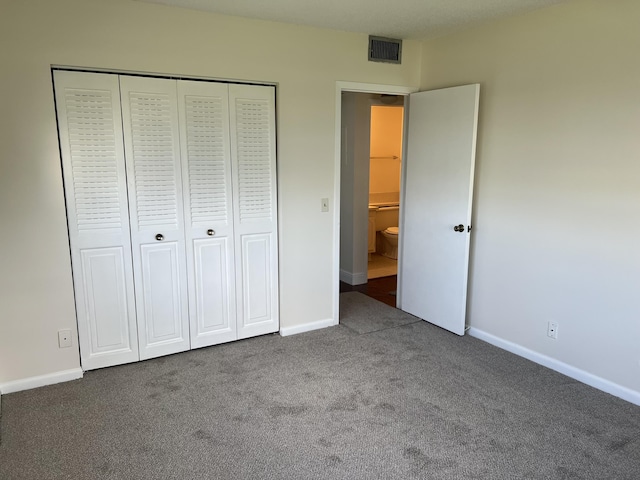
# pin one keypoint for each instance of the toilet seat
(391, 231)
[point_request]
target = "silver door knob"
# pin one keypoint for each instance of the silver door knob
(159, 237)
(211, 232)
(458, 228)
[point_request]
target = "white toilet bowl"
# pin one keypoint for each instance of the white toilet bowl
(390, 242)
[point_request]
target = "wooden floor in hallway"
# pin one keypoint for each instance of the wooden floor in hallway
(382, 289)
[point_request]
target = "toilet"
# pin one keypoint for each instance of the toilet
(390, 242)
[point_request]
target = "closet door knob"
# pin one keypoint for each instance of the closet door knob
(458, 228)
(159, 237)
(211, 232)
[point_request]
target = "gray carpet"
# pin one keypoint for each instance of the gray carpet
(410, 402)
(363, 314)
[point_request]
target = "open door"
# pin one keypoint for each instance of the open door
(437, 196)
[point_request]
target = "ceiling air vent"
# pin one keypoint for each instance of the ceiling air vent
(383, 49)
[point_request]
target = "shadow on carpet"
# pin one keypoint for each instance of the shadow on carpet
(363, 314)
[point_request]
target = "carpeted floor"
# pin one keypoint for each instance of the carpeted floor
(365, 315)
(407, 402)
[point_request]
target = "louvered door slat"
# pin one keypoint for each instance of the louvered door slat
(150, 117)
(204, 134)
(90, 133)
(252, 121)
(154, 158)
(254, 147)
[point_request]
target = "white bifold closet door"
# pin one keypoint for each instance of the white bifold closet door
(154, 179)
(253, 149)
(206, 175)
(90, 128)
(171, 204)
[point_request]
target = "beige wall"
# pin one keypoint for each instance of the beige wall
(386, 142)
(354, 187)
(557, 197)
(36, 295)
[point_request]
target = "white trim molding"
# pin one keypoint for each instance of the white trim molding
(308, 327)
(353, 278)
(561, 367)
(40, 380)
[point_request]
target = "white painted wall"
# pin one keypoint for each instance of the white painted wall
(557, 205)
(354, 187)
(36, 295)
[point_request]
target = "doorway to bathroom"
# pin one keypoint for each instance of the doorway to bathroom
(440, 134)
(371, 166)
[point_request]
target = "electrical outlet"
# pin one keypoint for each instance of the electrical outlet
(552, 330)
(324, 204)
(64, 338)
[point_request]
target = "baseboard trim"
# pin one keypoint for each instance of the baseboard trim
(581, 375)
(353, 278)
(40, 380)
(307, 327)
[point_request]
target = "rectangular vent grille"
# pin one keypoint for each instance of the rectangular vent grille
(92, 143)
(254, 159)
(154, 162)
(383, 49)
(207, 163)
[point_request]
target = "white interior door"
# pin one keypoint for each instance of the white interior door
(206, 180)
(152, 146)
(90, 128)
(253, 149)
(436, 205)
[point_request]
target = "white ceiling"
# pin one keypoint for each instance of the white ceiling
(389, 18)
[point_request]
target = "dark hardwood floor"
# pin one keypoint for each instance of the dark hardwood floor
(382, 289)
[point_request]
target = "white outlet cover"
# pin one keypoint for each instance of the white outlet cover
(64, 338)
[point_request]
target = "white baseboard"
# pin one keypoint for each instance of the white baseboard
(561, 367)
(40, 381)
(353, 278)
(307, 327)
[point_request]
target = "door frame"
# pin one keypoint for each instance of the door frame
(355, 87)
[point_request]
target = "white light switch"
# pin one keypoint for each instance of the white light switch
(324, 204)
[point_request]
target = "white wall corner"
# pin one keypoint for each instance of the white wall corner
(583, 376)
(41, 380)
(359, 278)
(308, 327)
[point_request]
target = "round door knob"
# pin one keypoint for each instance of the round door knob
(458, 228)
(211, 232)
(159, 237)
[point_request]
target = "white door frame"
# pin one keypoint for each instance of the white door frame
(358, 88)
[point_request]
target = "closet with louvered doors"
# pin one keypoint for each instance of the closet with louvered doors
(171, 204)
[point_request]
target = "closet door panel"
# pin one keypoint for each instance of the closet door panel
(161, 283)
(152, 146)
(211, 291)
(90, 133)
(206, 177)
(104, 283)
(253, 148)
(256, 279)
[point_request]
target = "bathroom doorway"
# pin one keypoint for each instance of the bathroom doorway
(371, 164)
(440, 134)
